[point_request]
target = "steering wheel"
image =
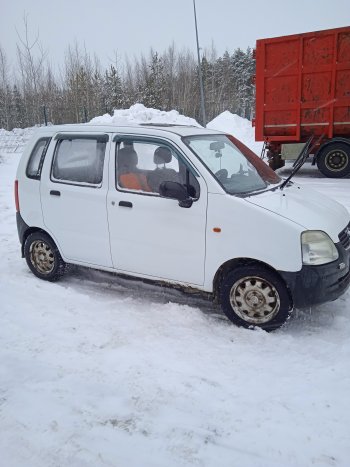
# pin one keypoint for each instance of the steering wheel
(221, 174)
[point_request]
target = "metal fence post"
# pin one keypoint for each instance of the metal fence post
(45, 115)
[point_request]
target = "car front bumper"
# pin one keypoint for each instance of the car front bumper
(313, 285)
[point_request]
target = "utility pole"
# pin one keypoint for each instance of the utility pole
(204, 117)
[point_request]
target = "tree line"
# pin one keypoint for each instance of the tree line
(83, 89)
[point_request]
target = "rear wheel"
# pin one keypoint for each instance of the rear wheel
(334, 160)
(43, 257)
(255, 296)
(275, 160)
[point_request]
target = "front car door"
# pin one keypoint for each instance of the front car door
(151, 235)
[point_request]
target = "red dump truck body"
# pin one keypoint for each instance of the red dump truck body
(302, 90)
(303, 86)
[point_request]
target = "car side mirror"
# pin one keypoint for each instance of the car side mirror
(175, 190)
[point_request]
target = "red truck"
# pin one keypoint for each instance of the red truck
(302, 90)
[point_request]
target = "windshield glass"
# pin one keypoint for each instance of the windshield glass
(235, 166)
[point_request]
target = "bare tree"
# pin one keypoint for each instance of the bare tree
(83, 89)
(4, 91)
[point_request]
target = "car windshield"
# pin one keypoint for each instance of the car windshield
(234, 166)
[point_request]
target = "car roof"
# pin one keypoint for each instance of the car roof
(145, 129)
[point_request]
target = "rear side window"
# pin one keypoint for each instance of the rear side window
(36, 159)
(79, 161)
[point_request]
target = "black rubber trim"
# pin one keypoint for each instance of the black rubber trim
(37, 176)
(314, 285)
(101, 138)
(22, 227)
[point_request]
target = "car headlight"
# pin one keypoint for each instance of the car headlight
(317, 248)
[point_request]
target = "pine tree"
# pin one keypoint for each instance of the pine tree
(113, 90)
(98, 102)
(3, 120)
(243, 64)
(17, 108)
(155, 90)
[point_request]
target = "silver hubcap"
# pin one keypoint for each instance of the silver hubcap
(42, 257)
(336, 160)
(255, 300)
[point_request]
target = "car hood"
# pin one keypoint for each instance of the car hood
(308, 208)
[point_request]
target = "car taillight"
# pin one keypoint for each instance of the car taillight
(16, 196)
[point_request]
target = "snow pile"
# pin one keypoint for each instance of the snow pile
(96, 370)
(99, 371)
(239, 127)
(15, 140)
(138, 113)
(227, 122)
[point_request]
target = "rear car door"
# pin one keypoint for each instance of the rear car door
(74, 187)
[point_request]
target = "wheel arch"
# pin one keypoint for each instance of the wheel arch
(31, 230)
(328, 159)
(237, 262)
(338, 139)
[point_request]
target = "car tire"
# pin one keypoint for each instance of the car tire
(43, 257)
(333, 161)
(275, 161)
(254, 296)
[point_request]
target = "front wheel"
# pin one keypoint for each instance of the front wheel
(43, 257)
(334, 160)
(255, 296)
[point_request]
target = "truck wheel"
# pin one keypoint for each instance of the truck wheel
(255, 296)
(43, 257)
(334, 160)
(276, 162)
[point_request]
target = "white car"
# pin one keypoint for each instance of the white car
(183, 205)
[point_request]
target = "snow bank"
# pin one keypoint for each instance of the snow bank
(96, 370)
(228, 122)
(15, 140)
(138, 113)
(239, 127)
(99, 371)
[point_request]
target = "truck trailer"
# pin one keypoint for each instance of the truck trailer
(302, 90)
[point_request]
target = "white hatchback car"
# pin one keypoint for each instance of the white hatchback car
(182, 205)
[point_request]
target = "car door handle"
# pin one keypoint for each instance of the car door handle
(55, 193)
(125, 204)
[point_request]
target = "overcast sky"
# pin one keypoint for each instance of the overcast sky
(130, 27)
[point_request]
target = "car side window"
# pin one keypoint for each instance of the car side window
(36, 158)
(142, 166)
(79, 161)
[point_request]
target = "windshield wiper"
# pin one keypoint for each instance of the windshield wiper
(300, 161)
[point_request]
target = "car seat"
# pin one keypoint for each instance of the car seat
(162, 156)
(129, 176)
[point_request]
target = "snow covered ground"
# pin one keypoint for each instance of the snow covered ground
(96, 370)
